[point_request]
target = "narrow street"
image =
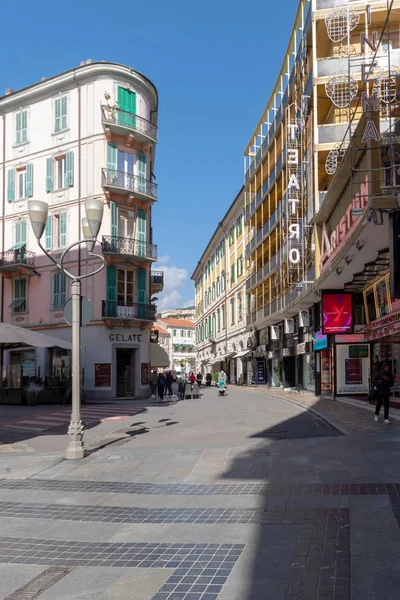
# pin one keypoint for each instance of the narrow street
(246, 497)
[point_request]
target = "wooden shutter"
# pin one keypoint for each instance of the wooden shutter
(59, 289)
(18, 128)
(112, 157)
(63, 115)
(49, 174)
(10, 185)
(24, 130)
(62, 230)
(49, 233)
(57, 114)
(142, 172)
(114, 226)
(111, 283)
(141, 232)
(127, 105)
(29, 180)
(69, 176)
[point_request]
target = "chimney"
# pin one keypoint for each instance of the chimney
(9, 91)
(89, 61)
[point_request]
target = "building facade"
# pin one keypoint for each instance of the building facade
(221, 337)
(179, 313)
(88, 132)
(181, 347)
(342, 60)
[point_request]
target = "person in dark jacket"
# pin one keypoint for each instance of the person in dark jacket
(376, 367)
(161, 385)
(170, 381)
(383, 382)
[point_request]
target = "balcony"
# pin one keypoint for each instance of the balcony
(17, 260)
(156, 282)
(126, 184)
(128, 311)
(116, 249)
(128, 125)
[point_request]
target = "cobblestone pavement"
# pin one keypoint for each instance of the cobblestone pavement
(247, 497)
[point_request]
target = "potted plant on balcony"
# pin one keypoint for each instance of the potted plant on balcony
(208, 379)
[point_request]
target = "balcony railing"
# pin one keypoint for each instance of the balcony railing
(117, 116)
(128, 247)
(129, 182)
(19, 256)
(157, 278)
(113, 309)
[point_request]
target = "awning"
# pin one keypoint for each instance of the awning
(222, 358)
(18, 246)
(157, 356)
(243, 353)
(13, 336)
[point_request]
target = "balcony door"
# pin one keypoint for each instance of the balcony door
(126, 232)
(125, 292)
(127, 107)
(125, 164)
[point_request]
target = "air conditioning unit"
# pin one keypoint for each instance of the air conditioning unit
(384, 202)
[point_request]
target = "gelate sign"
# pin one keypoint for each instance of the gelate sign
(337, 310)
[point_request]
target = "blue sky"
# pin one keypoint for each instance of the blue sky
(214, 64)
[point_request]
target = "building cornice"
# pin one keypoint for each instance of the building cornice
(78, 75)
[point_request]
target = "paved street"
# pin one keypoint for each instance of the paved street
(247, 497)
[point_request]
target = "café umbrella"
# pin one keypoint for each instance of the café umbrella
(12, 336)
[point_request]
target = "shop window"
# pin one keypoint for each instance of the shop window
(382, 299)
(370, 307)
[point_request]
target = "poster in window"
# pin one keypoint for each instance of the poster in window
(260, 371)
(144, 373)
(353, 370)
(337, 310)
(325, 371)
(102, 375)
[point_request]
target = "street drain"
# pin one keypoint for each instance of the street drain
(41, 583)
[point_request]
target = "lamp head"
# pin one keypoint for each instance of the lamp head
(87, 235)
(94, 213)
(38, 211)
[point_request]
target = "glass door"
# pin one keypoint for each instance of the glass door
(125, 169)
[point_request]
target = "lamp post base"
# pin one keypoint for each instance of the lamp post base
(76, 448)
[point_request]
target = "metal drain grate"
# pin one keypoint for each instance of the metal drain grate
(40, 584)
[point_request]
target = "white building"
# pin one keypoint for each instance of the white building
(88, 132)
(179, 313)
(181, 344)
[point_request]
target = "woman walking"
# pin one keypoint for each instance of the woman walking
(383, 382)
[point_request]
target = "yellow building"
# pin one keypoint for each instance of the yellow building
(221, 337)
(291, 159)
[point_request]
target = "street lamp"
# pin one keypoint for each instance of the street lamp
(90, 227)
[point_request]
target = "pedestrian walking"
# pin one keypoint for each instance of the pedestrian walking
(153, 380)
(199, 378)
(222, 376)
(170, 381)
(383, 382)
(376, 367)
(192, 378)
(161, 386)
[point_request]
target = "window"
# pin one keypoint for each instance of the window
(239, 226)
(59, 290)
(18, 305)
(21, 127)
(231, 235)
(62, 230)
(233, 273)
(125, 287)
(60, 172)
(240, 266)
(60, 113)
(219, 320)
(370, 307)
(223, 317)
(382, 299)
(223, 282)
(218, 286)
(183, 333)
(21, 184)
(213, 291)
(189, 334)
(174, 331)
(240, 307)
(232, 312)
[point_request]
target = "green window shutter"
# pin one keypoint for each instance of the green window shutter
(69, 176)
(62, 230)
(114, 226)
(24, 125)
(111, 283)
(59, 290)
(18, 128)
(127, 105)
(49, 233)
(141, 275)
(142, 172)
(18, 239)
(64, 108)
(232, 312)
(10, 185)
(112, 157)
(29, 180)
(49, 174)
(141, 232)
(233, 272)
(57, 114)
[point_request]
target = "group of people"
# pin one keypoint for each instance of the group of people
(382, 380)
(161, 383)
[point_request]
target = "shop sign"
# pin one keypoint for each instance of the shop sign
(332, 243)
(383, 327)
(275, 332)
(125, 337)
(260, 371)
(289, 326)
(301, 348)
(271, 354)
(351, 338)
(304, 318)
(337, 312)
(102, 375)
(320, 340)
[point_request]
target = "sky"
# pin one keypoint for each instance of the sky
(214, 64)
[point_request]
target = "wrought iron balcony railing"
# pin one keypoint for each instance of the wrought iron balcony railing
(129, 182)
(129, 247)
(19, 256)
(157, 277)
(113, 309)
(117, 116)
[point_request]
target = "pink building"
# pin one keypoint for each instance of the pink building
(88, 132)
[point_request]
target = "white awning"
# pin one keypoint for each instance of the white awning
(157, 356)
(14, 336)
(222, 358)
(243, 353)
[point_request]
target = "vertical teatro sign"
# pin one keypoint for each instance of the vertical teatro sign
(294, 196)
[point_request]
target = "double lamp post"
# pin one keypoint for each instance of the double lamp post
(91, 224)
